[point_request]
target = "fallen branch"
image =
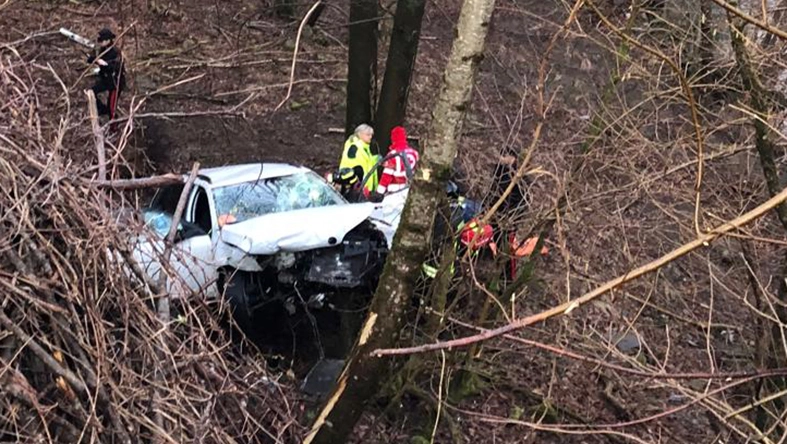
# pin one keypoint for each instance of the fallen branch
(568, 307)
(142, 182)
(97, 134)
(29, 37)
(163, 308)
(277, 85)
(179, 114)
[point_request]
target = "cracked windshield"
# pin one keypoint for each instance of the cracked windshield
(244, 201)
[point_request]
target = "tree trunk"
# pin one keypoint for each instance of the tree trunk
(363, 373)
(758, 100)
(362, 63)
(399, 68)
(759, 103)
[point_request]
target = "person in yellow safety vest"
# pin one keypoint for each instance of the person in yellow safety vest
(357, 162)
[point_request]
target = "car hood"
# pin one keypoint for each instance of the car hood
(294, 231)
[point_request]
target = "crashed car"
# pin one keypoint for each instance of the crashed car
(257, 233)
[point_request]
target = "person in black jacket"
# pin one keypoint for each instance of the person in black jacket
(518, 200)
(111, 75)
(513, 207)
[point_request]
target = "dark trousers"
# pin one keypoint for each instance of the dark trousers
(108, 108)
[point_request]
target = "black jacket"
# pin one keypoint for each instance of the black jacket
(503, 176)
(113, 73)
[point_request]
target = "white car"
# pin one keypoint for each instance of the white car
(260, 232)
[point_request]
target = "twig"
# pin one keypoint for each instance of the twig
(98, 134)
(29, 37)
(295, 52)
(568, 307)
(695, 120)
(439, 397)
(639, 373)
(42, 354)
(163, 309)
(758, 23)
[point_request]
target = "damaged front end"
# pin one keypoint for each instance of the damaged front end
(358, 260)
(311, 277)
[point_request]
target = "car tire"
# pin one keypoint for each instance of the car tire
(236, 293)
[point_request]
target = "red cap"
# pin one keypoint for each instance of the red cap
(398, 138)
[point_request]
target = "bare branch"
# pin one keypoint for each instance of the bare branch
(143, 182)
(568, 307)
(98, 135)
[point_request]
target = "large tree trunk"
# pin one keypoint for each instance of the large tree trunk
(399, 68)
(362, 375)
(362, 63)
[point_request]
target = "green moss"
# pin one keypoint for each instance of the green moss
(468, 384)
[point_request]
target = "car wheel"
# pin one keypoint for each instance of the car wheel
(236, 293)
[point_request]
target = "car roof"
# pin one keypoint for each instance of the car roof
(249, 172)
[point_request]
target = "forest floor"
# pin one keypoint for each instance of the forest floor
(232, 59)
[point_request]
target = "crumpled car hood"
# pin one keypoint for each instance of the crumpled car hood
(294, 231)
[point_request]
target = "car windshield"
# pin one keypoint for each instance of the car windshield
(274, 195)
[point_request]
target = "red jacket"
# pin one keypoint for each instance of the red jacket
(394, 176)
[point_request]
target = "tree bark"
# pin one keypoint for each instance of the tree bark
(363, 373)
(362, 63)
(399, 68)
(766, 149)
(758, 99)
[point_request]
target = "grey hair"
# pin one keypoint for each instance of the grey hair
(362, 128)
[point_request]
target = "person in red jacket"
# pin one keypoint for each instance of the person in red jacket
(395, 171)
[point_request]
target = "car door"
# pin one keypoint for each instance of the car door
(196, 261)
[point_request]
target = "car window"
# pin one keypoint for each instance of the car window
(201, 215)
(159, 221)
(274, 195)
(158, 215)
(166, 198)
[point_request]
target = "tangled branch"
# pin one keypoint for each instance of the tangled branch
(83, 355)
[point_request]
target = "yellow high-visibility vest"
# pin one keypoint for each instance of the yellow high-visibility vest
(363, 158)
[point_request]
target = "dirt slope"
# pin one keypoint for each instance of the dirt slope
(628, 204)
